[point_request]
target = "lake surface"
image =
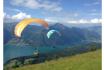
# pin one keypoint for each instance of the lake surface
(11, 52)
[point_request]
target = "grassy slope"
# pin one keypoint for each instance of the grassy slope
(86, 61)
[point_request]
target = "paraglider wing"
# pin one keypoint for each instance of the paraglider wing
(20, 26)
(49, 34)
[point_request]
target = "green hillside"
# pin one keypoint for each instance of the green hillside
(86, 61)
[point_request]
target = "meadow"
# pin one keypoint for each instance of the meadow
(86, 61)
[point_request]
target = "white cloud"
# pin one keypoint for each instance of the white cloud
(95, 14)
(92, 4)
(17, 17)
(37, 4)
(72, 21)
(95, 20)
(17, 10)
(96, 3)
(21, 15)
(75, 14)
(56, 19)
(51, 20)
(6, 16)
(94, 10)
(83, 21)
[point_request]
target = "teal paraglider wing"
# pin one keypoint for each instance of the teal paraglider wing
(51, 32)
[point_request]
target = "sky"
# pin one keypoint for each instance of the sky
(64, 11)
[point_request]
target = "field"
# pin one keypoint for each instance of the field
(85, 61)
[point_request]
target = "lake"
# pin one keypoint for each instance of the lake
(11, 52)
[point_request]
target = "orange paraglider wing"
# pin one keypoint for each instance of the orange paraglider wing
(21, 25)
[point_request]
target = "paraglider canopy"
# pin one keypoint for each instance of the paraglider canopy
(51, 32)
(22, 25)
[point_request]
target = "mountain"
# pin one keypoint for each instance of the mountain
(96, 29)
(71, 35)
(36, 35)
(7, 36)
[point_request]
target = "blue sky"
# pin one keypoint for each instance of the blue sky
(68, 11)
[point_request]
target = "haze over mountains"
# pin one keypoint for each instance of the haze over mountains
(71, 34)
